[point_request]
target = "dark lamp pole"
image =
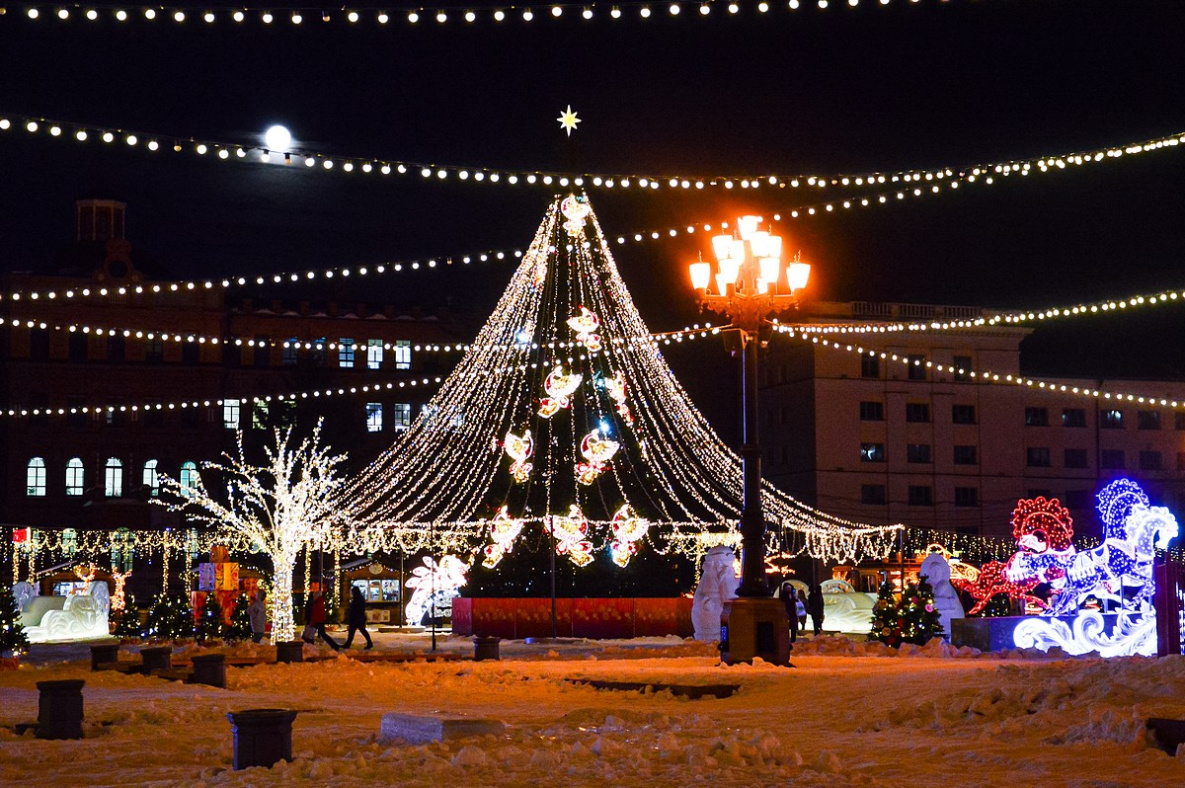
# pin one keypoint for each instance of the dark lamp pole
(751, 285)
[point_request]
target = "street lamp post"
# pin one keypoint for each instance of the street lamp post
(749, 287)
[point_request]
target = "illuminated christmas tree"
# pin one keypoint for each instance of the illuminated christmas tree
(12, 633)
(564, 419)
(126, 621)
(170, 618)
(209, 624)
(886, 617)
(240, 621)
(920, 619)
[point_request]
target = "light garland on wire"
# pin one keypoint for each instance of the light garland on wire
(652, 341)
(278, 506)
(903, 183)
(190, 337)
(436, 16)
(665, 463)
(985, 376)
(1103, 307)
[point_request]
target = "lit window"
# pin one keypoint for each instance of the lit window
(872, 452)
(402, 354)
(374, 417)
(69, 542)
(189, 478)
(113, 478)
(1112, 420)
(35, 478)
(345, 352)
(75, 477)
(230, 414)
(374, 354)
(401, 416)
(152, 478)
(192, 546)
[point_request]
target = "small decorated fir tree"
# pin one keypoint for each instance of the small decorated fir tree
(170, 618)
(12, 632)
(886, 617)
(920, 620)
(127, 621)
(240, 621)
(209, 623)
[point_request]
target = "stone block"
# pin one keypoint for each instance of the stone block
(421, 729)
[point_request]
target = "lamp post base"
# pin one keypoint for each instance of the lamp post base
(754, 627)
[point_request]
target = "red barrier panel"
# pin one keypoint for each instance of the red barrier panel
(519, 618)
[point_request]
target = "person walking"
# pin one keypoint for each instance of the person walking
(257, 614)
(315, 618)
(790, 601)
(814, 606)
(356, 617)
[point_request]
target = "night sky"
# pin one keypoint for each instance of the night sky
(872, 88)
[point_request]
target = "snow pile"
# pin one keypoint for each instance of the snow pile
(844, 716)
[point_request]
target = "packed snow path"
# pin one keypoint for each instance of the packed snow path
(844, 717)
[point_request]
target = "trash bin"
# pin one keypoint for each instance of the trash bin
(262, 737)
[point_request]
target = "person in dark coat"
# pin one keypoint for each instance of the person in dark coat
(356, 617)
(814, 606)
(790, 600)
(315, 616)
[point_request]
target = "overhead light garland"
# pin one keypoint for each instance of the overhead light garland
(434, 16)
(984, 376)
(190, 337)
(1000, 317)
(901, 184)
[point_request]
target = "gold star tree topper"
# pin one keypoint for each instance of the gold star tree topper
(568, 120)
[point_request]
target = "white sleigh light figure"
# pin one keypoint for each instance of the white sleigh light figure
(53, 619)
(718, 583)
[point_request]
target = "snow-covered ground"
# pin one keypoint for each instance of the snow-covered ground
(849, 714)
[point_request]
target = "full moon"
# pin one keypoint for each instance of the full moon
(278, 138)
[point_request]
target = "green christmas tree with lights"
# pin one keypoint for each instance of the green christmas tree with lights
(920, 620)
(209, 623)
(12, 632)
(170, 618)
(127, 621)
(240, 620)
(886, 617)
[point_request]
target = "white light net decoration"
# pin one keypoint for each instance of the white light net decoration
(565, 418)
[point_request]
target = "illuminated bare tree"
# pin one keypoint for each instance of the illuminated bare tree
(280, 506)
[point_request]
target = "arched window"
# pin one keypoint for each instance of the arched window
(189, 478)
(113, 478)
(151, 478)
(75, 477)
(35, 478)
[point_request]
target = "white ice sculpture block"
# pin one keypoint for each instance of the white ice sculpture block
(718, 583)
(421, 729)
(946, 599)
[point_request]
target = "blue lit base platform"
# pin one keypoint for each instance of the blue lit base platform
(998, 633)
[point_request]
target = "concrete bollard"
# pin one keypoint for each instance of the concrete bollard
(209, 669)
(156, 658)
(486, 648)
(290, 651)
(59, 709)
(262, 737)
(102, 654)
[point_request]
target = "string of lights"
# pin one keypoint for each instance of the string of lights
(690, 332)
(910, 182)
(983, 376)
(909, 186)
(438, 16)
(1103, 307)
